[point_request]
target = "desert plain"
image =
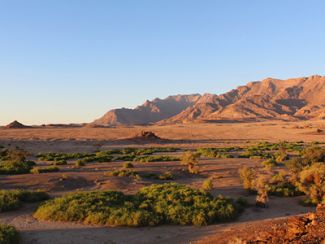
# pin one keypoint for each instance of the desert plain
(92, 177)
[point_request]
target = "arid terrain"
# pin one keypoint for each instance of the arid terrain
(222, 171)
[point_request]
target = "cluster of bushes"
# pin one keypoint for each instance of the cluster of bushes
(308, 173)
(218, 152)
(306, 176)
(256, 154)
(13, 199)
(268, 146)
(62, 156)
(122, 173)
(276, 184)
(8, 234)
(164, 176)
(191, 160)
(155, 158)
(14, 167)
(13, 161)
(126, 154)
(157, 204)
(49, 169)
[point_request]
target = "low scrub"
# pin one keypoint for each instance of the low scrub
(154, 205)
(122, 173)
(13, 199)
(217, 152)
(14, 167)
(164, 176)
(8, 234)
(49, 169)
(155, 158)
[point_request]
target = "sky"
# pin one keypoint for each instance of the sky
(71, 61)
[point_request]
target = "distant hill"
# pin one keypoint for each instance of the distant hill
(148, 113)
(270, 99)
(16, 125)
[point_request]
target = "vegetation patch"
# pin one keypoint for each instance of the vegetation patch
(13, 167)
(164, 176)
(14, 199)
(155, 158)
(8, 234)
(49, 169)
(157, 204)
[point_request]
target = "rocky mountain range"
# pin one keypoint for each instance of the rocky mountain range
(270, 99)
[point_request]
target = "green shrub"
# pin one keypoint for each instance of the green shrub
(207, 185)
(269, 163)
(191, 160)
(314, 154)
(49, 169)
(279, 185)
(128, 165)
(13, 199)
(13, 167)
(247, 176)
(157, 204)
(312, 182)
(8, 234)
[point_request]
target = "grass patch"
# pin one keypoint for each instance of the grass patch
(157, 204)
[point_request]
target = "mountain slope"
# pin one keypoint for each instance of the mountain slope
(292, 99)
(149, 112)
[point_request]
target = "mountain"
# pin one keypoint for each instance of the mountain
(292, 99)
(148, 113)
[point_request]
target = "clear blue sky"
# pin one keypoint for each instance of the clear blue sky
(72, 60)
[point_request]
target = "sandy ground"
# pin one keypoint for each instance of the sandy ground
(91, 177)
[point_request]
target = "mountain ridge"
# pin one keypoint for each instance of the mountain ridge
(270, 99)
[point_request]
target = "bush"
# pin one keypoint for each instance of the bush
(60, 162)
(207, 185)
(314, 154)
(8, 234)
(80, 163)
(279, 185)
(312, 182)
(49, 169)
(13, 167)
(191, 160)
(247, 176)
(13, 199)
(269, 163)
(128, 165)
(157, 204)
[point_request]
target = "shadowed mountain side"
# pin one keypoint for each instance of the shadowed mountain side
(149, 112)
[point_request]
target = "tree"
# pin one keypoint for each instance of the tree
(191, 160)
(312, 182)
